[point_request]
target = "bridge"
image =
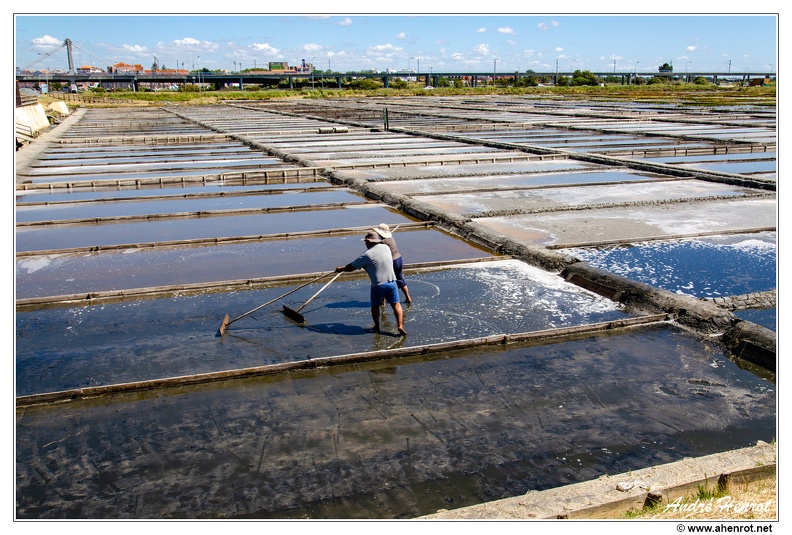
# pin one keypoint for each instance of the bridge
(274, 78)
(217, 80)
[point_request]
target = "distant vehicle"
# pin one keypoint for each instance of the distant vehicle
(73, 88)
(428, 87)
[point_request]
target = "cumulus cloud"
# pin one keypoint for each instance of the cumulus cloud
(507, 30)
(346, 22)
(46, 41)
(385, 51)
(482, 49)
(691, 48)
(265, 49)
(188, 43)
(401, 35)
(133, 49)
(542, 26)
(559, 49)
(481, 30)
(311, 47)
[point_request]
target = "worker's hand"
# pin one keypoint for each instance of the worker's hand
(339, 269)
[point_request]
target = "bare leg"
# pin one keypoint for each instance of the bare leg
(375, 315)
(397, 311)
(407, 298)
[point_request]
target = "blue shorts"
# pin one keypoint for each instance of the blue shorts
(387, 291)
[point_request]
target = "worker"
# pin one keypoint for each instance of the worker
(378, 263)
(398, 262)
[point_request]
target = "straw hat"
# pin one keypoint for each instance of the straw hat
(372, 237)
(383, 230)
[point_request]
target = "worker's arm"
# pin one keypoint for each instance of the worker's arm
(347, 267)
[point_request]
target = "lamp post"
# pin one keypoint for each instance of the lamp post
(635, 73)
(494, 68)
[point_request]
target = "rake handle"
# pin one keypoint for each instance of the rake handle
(278, 298)
(320, 291)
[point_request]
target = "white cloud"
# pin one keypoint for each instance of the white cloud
(189, 43)
(542, 26)
(265, 48)
(482, 49)
(559, 49)
(46, 42)
(511, 42)
(691, 48)
(311, 47)
(555, 24)
(133, 49)
(346, 22)
(385, 51)
(401, 35)
(481, 30)
(507, 30)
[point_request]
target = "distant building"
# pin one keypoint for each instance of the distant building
(126, 68)
(89, 69)
(283, 66)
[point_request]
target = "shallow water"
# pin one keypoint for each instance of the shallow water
(391, 439)
(702, 267)
(151, 339)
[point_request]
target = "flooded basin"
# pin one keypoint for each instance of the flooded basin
(702, 267)
(391, 439)
(114, 270)
(200, 228)
(67, 348)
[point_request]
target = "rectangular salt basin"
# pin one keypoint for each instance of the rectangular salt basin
(216, 187)
(510, 181)
(394, 438)
(181, 205)
(706, 267)
(581, 227)
(112, 343)
(113, 270)
(200, 228)
(541, 199)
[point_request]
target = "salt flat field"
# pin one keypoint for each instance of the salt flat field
(138, 230)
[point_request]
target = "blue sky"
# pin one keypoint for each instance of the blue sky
(440, 43)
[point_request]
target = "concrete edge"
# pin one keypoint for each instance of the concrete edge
(602, 498)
